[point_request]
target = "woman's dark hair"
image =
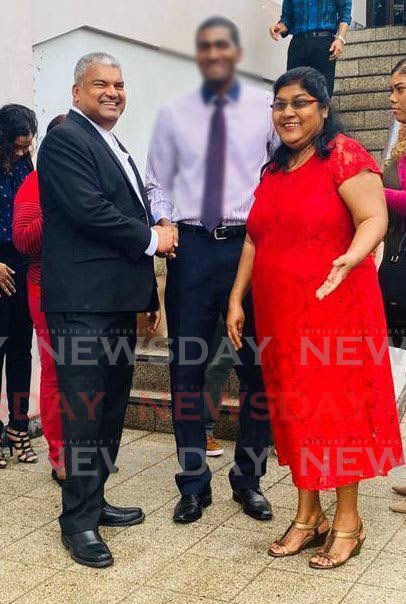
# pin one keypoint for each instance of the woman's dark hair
(15, 121)
(400, 67)
(315, 84)
(56, 121)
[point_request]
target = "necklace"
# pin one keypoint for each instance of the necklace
(301, 157)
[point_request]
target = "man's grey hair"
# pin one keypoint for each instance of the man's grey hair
(93, 58)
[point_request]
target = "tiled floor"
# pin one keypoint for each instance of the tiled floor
(221, 558)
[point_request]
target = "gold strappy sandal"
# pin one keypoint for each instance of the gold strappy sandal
(327, 547)
(314, 540)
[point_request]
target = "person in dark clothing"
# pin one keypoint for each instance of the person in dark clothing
(98, 227)
(18, 127)
(318, 28)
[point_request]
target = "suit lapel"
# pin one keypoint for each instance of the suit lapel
(139, 181)
(91, 130)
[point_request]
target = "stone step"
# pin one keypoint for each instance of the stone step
(366, 120)
(152, 411)
(378, 155)
(151, 375)
(371, 139)
(377, 33)
(375, 48)
(362, 83)
(366, 66)
(349, 101)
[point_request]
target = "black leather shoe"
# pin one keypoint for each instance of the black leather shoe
(113, 516)
(88, 548)
(254, 503)
(190, 507)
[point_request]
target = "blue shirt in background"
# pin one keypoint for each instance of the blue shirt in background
(10, 182)
(302, 16)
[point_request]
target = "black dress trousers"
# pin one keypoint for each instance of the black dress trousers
(16, 340)
(94, 356)
(198, 286)
(313, 52)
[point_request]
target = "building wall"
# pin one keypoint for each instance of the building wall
(16, 53)
(168, 24)
(359, 12)
(152, 77)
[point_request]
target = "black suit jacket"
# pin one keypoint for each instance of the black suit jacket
(95, 228)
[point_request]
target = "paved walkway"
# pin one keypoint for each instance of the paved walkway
(221, 558)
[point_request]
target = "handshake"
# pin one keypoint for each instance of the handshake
(168, 238)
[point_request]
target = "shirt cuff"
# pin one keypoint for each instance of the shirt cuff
(159, 215)
(153, 245)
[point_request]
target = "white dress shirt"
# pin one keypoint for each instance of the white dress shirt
(123, 158)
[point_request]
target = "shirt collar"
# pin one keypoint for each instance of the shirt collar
(106, 134)
(233, 94)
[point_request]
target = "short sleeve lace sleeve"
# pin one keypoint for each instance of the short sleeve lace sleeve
(349, 158)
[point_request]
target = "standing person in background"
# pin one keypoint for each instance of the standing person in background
(27, 238)
(392, 271)
(216, 375)
(318, 28)
(395, 177)
(204, 163)
(18, 127)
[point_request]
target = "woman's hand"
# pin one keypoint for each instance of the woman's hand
(7, 283)
(154, 319)
(235, 323)
(341, 267)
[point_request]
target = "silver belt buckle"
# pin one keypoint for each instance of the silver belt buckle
(216, 234)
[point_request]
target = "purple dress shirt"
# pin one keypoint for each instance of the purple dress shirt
(176, 165)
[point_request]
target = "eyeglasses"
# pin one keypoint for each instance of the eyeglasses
(398, 89)
(296, 104)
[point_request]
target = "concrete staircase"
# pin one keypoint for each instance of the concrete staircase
(361, 91)
(149, 407)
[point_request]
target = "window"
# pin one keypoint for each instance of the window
(386, 12)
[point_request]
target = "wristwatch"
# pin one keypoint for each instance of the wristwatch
(338, 37)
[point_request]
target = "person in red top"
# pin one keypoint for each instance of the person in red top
(27, 236)
(319, 213)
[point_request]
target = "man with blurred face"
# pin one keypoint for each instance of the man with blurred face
(99, 240)
(204, 163)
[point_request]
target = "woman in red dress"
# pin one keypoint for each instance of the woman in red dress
(318, 214)
(27, 238)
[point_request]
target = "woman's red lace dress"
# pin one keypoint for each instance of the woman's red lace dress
(326, 366)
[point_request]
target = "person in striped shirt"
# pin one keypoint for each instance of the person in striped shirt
(318, 28)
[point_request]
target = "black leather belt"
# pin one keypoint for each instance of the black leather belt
(220, 234)
(314, 34)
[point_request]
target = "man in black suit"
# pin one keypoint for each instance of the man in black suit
(98, 272)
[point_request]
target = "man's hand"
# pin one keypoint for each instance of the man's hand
(154, 319)
(168, 238)
(336, 50)
(6, 280)
(278, 29)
